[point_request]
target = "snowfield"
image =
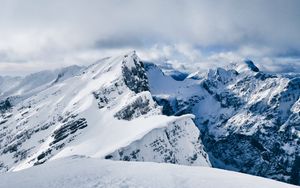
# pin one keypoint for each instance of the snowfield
(88, 172)
(106, 111)
(123, 109)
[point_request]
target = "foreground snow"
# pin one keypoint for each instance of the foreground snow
(88, 172)
(120, 108)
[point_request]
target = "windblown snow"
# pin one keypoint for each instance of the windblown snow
(122, 109)
(100, 113)
(88, 173)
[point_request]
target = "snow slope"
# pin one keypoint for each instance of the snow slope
(21, 88)
(88, 173)
(106, 111)
(123, 109)
(247, 118)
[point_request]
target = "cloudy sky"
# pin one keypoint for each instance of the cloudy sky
(43, 34)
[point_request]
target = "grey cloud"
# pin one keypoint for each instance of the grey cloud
(53, 30)
(125, 41)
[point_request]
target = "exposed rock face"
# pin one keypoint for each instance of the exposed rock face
(134, 73)
(121, 109)
(106, 96)
(140, 105)
(169, 106)
(251, 65)
(178, 143)
(5, 105)
(67, 129)
(258, 135)
(106, 107)
(249, 119)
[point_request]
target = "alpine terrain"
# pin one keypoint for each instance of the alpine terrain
(86, 121)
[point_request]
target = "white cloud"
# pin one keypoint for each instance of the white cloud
(59, 32)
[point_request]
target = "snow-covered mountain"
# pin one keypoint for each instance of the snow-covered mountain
(249, 120)
(106, 111)
(90, 173)
(236, 118)
(17, 89)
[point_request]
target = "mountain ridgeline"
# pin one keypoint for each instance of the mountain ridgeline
(237, 118)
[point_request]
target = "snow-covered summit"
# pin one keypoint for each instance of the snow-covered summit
(121, 108)
(244, 66)
(247, 117)
(20, 88)
(106, 111)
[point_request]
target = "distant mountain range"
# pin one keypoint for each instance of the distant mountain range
(121, 108)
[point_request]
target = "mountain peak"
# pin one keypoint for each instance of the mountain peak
(134, 73)
(130, 54)
(251, 65)
(122, 109)
(244, 66)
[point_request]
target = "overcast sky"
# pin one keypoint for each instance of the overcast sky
(42, 34)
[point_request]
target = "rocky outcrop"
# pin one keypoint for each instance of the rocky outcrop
(177, 143)
(141, 104)
(254, 125)
(134, 74)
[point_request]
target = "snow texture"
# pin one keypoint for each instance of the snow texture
(88, 173)
(120, 108)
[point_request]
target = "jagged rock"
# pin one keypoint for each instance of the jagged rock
(249, 119)
(5, 105)
(117, 107)
(251, 65)
(140, 105)
(178, 143)
(134, 73)
(103, 108)
(67, 129)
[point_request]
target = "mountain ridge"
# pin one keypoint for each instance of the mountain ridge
(121, 108)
